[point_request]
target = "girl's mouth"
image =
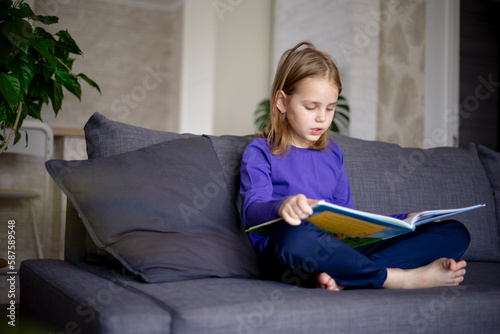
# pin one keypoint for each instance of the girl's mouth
(316, 131)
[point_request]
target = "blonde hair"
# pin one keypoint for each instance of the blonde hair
(296, 64)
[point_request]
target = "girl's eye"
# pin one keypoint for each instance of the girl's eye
(310, 108)
(330, 109)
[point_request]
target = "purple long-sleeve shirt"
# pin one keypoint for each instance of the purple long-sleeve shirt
(267, 180)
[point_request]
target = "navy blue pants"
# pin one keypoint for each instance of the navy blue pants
(297, 254)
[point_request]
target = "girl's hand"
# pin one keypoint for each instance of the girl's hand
(296, 208)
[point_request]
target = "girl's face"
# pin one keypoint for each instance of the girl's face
(310, 109)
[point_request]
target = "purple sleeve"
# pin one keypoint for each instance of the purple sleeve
(342, 192)
(256, 187)
(401, 216)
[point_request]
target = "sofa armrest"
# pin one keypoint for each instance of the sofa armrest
(69, 298)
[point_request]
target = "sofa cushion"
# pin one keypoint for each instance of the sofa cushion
(105, 137)
(491, 163)
(233, 305)
(163, 211)
(229, 150)
(388, 179)
(72, 299)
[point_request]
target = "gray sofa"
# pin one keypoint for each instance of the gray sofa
(155, 243)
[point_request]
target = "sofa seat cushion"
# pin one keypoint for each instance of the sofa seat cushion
(59, 297)
(98, 299)
(388, 179)
(233, 305)
(163, 211)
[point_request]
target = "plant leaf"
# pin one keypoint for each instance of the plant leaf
(46, 72)
(70, 82)
(46, 19)
(23, 68)
(4, 110)
(10, 88)
(334, 127)
(7, 51)
(262, 114)
(56, 95)
(67, 42)
(63, 56)
(34, 110)
(341, 116)
(42, 93)
(24, 10)
(42, 34)
(90, 82)
(9, 117)
(44, 48)
(18, 31)
(17, 136)
(343, 106)
(4, 9)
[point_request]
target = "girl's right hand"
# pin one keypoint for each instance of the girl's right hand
(296, 208)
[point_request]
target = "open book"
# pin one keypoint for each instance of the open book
(357, 228)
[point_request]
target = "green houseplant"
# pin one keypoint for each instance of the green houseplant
(35, 65)
(262, 114)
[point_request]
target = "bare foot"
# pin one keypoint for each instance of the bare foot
(442, 272)
(325, 281)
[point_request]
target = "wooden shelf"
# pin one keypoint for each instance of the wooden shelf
(68, 132)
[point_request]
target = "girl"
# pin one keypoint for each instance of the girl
(293, 164)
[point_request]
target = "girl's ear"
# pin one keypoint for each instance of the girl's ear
(281, 101)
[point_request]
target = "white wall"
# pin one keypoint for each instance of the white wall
(351, 32)
(132, 50)
(242, 64)
(231, 48)
(338, 28)
(442, 73)
(362, 93)
(197, 67)
(225, 64)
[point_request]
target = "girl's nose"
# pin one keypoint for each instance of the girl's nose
(321, 116)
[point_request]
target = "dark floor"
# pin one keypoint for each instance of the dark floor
(22, 325)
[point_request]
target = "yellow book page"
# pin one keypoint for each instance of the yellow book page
(346, 225)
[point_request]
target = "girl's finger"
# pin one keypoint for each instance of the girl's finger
(305, 207)
(290, 220)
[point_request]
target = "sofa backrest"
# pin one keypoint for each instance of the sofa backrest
(388, 179)
(385, 178)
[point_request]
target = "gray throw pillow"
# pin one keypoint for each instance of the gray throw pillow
(105, 137)
(163, 211)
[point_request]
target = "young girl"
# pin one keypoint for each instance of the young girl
(293, 164)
